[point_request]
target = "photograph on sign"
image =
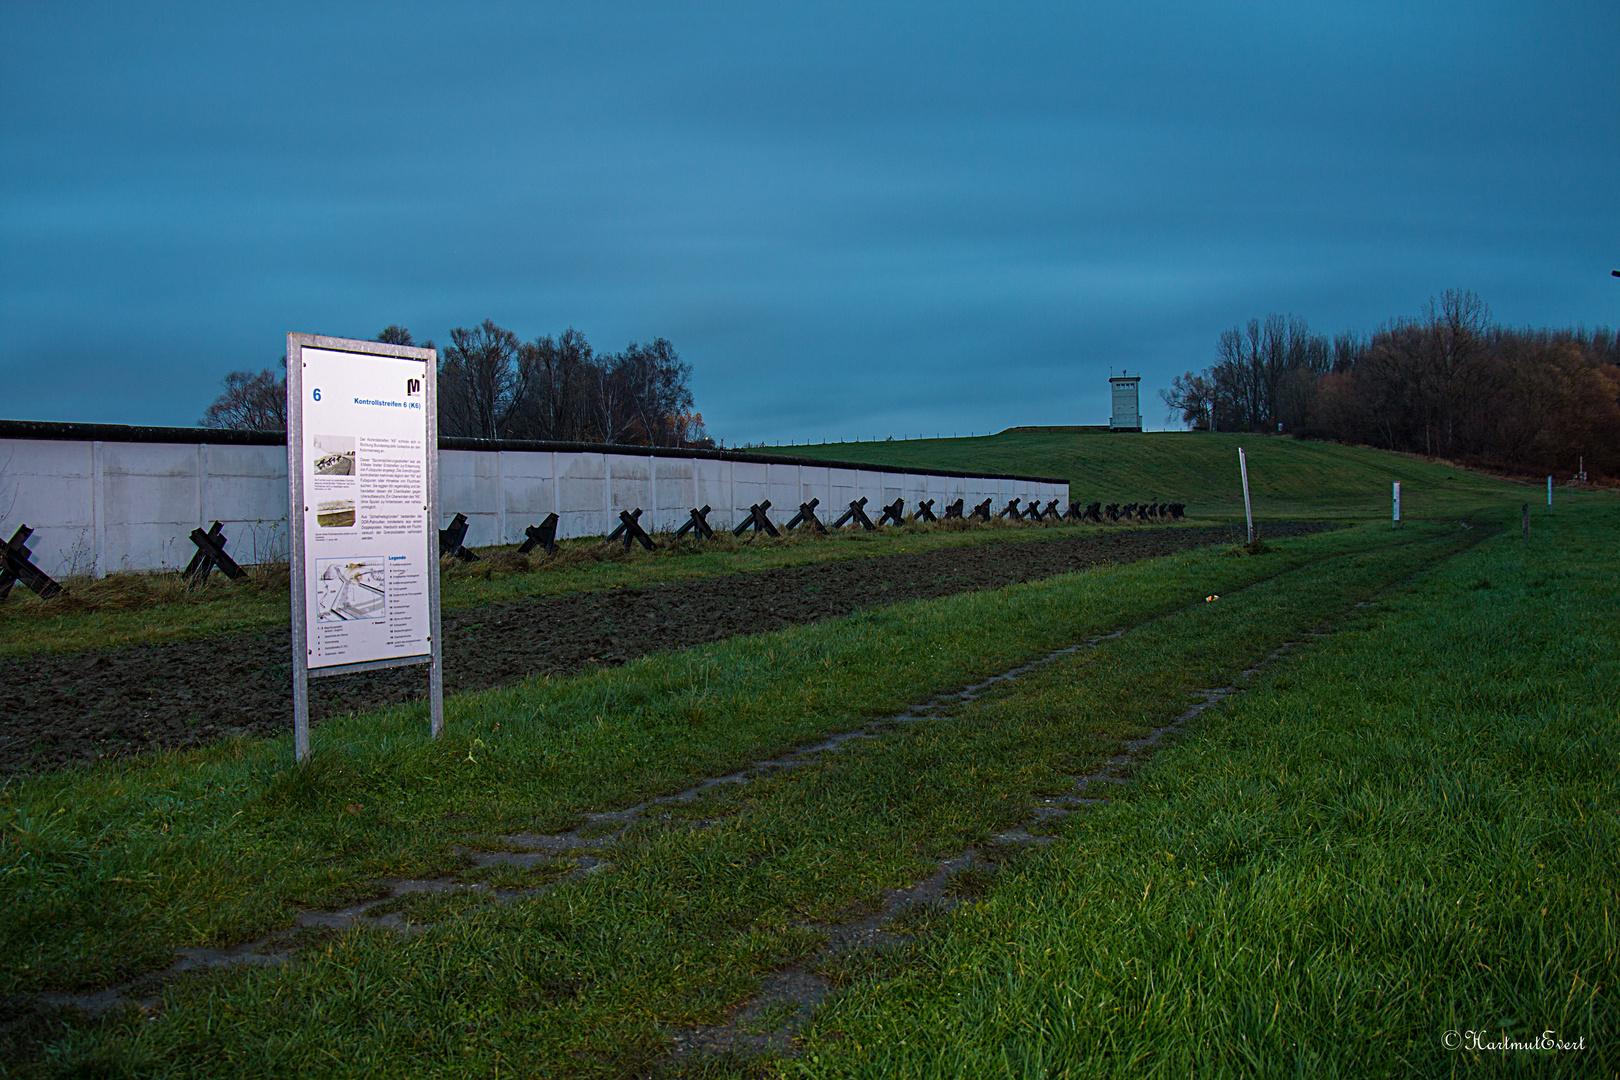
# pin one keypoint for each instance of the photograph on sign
(334, 455)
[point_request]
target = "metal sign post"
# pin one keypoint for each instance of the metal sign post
(1397, 503)
(1248, 511)
(363, 487)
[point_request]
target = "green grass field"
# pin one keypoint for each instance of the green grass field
(1406, 825)
(1412, 830)
(1287, 477)
(1402, 823)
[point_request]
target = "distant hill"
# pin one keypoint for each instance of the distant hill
(1287, 476)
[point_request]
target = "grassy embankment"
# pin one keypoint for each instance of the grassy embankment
(1288, 477)
(1440, 846)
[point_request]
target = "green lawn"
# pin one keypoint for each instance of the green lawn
(1288, 477)
(231, 818)
(1410, 831)
(1408, 827)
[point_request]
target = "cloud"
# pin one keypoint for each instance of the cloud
(889, 218)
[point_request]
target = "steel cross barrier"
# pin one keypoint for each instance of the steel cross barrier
(1011, 511)
(16, 565)
(451, 537)
(210, 553)
(1178, 511)
(1089, 513)
(630, 530)
(757, 520)
(982, 511)
(925, 511)
(857, 513)
(1053, 512)
(699, 521)
(1033, 511)
(807, 516)
(895, 512)
(544, 533)
(1112, 510)
(954, 510)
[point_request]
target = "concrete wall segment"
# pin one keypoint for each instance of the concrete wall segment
(101, 506)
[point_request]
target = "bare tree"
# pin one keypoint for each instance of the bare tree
(252, 401)
(480, 382)
(493, 386)
(1191, 399)
(653, 386)
(561, 376)
(1348, 348)
(1454, 352)
(1265, 373)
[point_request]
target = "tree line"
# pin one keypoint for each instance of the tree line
(1449, 383)
(493, 385)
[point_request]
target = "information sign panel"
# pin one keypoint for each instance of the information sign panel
(362, 471)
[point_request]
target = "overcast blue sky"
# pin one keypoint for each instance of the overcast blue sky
(851, 219)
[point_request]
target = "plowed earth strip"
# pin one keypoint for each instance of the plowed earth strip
(78, 707)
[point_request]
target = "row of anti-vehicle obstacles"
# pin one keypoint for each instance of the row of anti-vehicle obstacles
(629, 532)
(16, 560)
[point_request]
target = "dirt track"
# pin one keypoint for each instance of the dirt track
(76, 707)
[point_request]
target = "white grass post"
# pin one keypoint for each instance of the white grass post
(1248, 509)
(1397, 503)
(1549, 491)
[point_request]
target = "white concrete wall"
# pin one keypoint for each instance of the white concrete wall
(101, 507)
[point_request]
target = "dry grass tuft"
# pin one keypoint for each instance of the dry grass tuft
(131, 589)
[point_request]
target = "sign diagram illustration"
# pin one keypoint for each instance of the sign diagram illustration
(351, 589)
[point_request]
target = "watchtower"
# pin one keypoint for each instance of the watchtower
(1127, 412)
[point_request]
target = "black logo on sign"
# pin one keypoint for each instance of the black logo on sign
(413, 386)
